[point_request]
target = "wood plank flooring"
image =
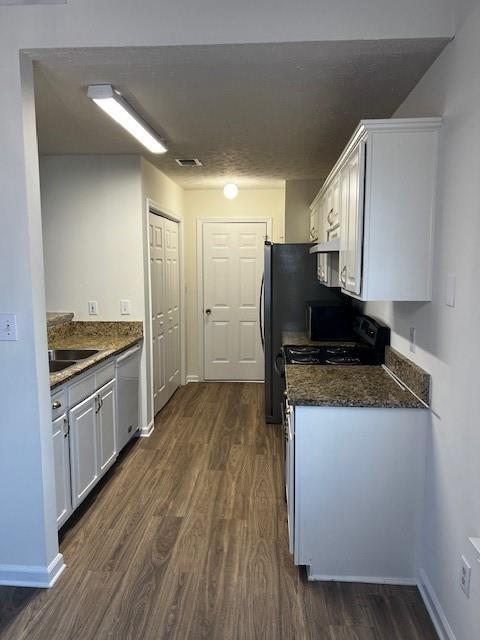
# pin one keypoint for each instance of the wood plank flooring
(186, 538)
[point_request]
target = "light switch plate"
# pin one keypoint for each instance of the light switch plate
(93, 307)
(125, 307)
(450, 291)
(8, 327)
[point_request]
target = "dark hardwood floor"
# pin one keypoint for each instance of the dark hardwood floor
(186, 538)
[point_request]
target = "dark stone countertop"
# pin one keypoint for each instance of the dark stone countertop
(110, 337)
(355, 386)
(346, 386)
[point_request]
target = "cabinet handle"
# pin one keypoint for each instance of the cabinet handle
(56, 404)
(98, 404)
(66, 427)
(343, 275)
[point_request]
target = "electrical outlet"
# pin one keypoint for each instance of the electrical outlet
(93, 308)
(413, 339)
(8, 327)
(125, 307)
(465, 576)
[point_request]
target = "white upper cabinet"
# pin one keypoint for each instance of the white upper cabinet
(384, 187)
(352, 179)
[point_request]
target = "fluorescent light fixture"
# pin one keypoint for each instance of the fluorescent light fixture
(230, 190)
(111, 101)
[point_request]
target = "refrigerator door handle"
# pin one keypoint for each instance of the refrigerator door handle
(260, 312)
(279, 364)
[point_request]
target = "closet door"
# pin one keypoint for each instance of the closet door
(172, 290)
(165, 301)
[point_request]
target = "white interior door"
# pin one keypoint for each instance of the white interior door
(232, 274)
(172, 291)
(165, 296)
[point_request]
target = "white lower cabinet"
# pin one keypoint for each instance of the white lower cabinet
(84, 432)
(290, 474)
(355, 482)
(93, 431)
(61, 461)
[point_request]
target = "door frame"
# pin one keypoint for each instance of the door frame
(200, 319)
(153, 207)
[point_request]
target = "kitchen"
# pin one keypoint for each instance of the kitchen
(175, 470)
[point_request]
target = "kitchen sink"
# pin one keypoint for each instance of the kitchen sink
(71, 354)
(59, 365)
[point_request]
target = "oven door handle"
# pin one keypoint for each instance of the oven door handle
(279, 371)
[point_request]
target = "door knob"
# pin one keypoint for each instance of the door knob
(208, 311)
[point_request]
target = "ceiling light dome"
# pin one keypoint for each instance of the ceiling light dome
(230, 190)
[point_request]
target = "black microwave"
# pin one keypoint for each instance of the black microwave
(329, 323)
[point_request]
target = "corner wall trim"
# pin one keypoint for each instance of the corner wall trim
(32, 576)
(434, 608)
(146, 432)
(192, 378)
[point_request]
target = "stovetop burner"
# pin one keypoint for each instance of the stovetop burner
(355, 354)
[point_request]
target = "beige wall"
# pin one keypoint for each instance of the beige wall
(299, 194)
(92, 234)
(211, 203)
(163, 191)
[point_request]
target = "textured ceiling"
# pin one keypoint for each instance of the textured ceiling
(257, 114)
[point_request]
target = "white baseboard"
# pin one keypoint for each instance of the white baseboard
(146, 432)
(32, 576)
(368, 579)
(434, 607)
(192, 378)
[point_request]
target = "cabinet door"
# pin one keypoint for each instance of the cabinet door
(107, 427)
(61, 462)
(83, 448)
(352, 188)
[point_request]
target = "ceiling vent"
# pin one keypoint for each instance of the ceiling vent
(188, 162)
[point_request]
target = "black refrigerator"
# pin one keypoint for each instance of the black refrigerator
(290, 280)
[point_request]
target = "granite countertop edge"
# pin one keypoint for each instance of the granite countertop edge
(56, 318)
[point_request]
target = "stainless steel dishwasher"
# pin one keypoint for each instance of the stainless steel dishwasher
(128, 393)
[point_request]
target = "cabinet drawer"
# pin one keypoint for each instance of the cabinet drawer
(59, 403)
(104, 375)
(81, 390)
